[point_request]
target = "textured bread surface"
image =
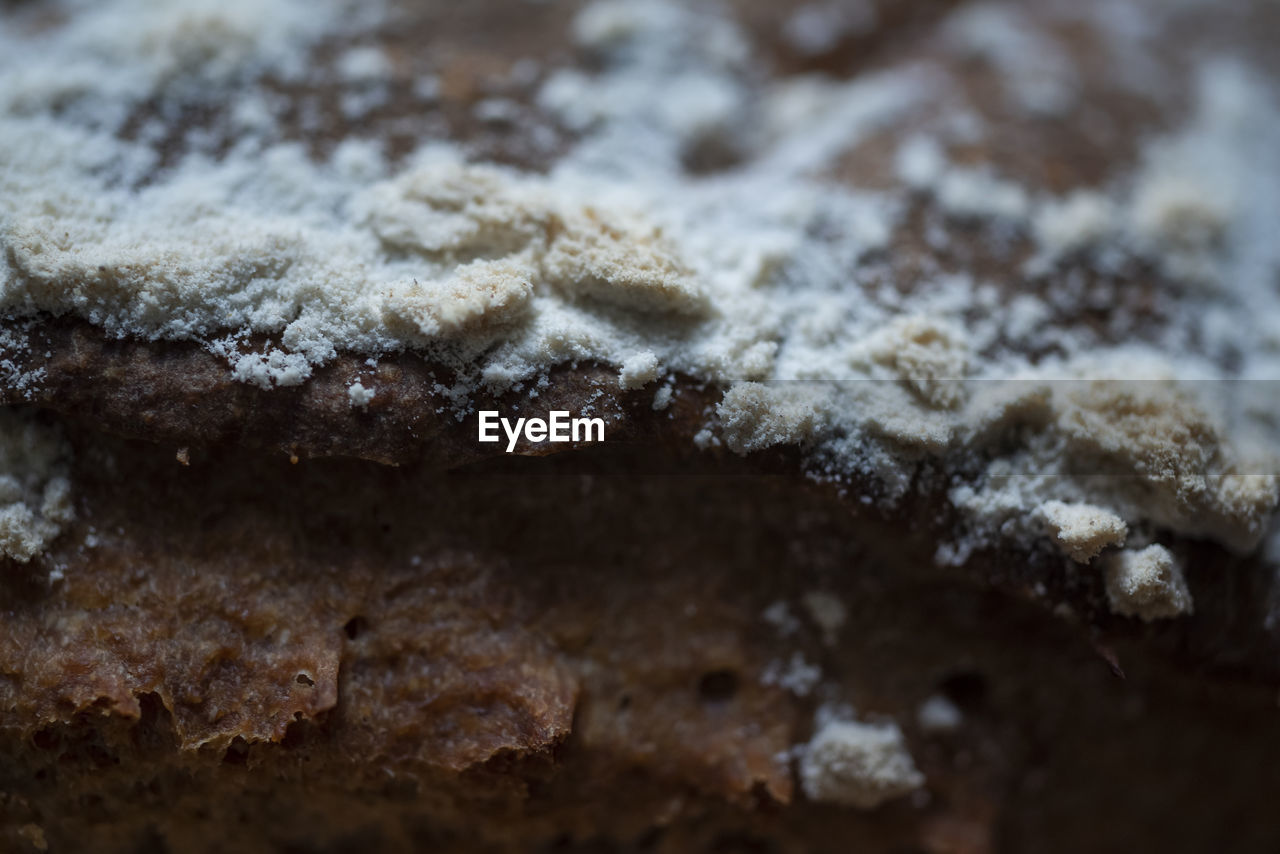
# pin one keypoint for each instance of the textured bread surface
(836, 579)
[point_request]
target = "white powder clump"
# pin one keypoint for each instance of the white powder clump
(638, 370)
(1083, 530)
(705, 439)
(827, 612)
(779, 615)
(1148, 584)
(794, 674)
(14, 373)
(428, 87)
(816, 28)
(856, 764)
(1199, 201)
(1025, 316)
(920, 162)
(475, 301)
(443, 253)
(364, 65)
(927, 354)
(1077, 222)
(35, 492)
(1182, 209)
(109, 56)
(359, 395)
(653, 40)
(662, 398)
(757, 416)
(1193, 479)
(1191, 187)
(623, 263)
(977, 194)
(443, 256)
(275, 368)
(938, 714)
(439, 206)
(1130, 450)
(1039, 75)
(524, 234)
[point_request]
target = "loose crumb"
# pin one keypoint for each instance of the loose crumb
(793, 674)
(1148, 584)
(359, 395)
(858, 764)
(827, 612)
(638, 370)
(938, 714)
(1083, 530)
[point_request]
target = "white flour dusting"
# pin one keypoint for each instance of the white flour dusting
(764, 277)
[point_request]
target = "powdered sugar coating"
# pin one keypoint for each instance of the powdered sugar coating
(761, 278)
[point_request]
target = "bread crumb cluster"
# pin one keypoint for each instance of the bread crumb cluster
(858, 764)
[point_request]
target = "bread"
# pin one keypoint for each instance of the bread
(933, 345)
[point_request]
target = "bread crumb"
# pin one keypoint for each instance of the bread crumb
(817, 28)
(621, 263)
(1077, 222)
(34, 834)
(1148, 584)
(428, 88)
(920, 162)
(977, 194)
(827, 612)
(365, 65)
(929, 355)
(705, 439)
(638, 371)
(183, 456)
(359, 395)
(273, 368)
(1039, 76)
(779, 615)
(1197, 188)
(794, 674)
(757, 416)
(938, 714)
(1182, 209)
(1193, 479)
(1134, 449)
(478, 299)
(858, 764)
(662, 398)
(1082, 530)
